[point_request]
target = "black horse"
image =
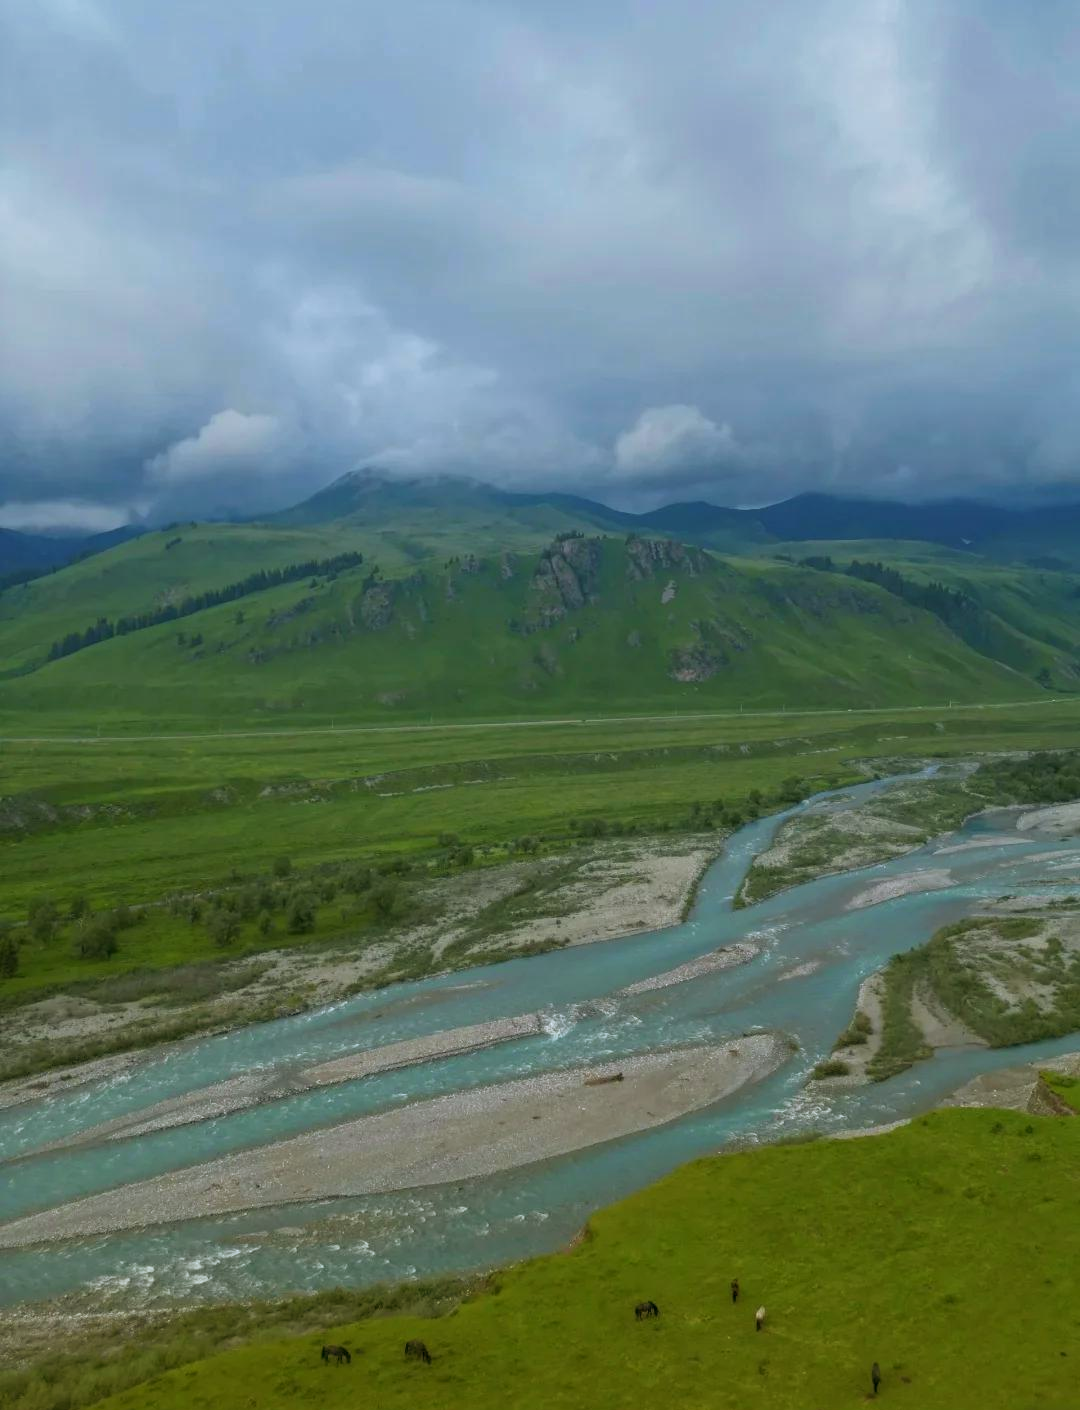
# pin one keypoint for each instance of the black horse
(646, 1309)
(418, 1351)
(336, 1353)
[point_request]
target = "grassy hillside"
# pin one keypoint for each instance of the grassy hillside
(910, 1249)
(649, 624)
(1027, 618)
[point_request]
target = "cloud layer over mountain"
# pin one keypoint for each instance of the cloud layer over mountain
(643, 250)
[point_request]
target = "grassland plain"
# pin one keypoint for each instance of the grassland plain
(135, 821)
(908, 1249)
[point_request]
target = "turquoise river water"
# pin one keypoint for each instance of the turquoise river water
(814, 954)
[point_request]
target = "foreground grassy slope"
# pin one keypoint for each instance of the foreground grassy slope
(947, 1251)
(589, 623)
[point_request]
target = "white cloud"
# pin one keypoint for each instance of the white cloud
(231, 443)
(61, 514)
(669, 438)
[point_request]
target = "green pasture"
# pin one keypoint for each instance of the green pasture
(947, 1251)
(135, 821)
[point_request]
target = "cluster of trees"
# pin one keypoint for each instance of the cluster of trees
(94, 935)
(719, 813)
(103, 629)
(956, 609)
(959, 611)
(1040, 778)
(951, 605)
(724, 814)
(288, 902)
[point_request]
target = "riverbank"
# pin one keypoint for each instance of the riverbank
(595, 892)
(443, 1139)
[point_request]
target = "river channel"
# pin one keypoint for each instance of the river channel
(813, 954)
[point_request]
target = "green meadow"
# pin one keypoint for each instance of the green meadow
(947, 1251)
(134, 822)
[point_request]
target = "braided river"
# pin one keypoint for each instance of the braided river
(813, 952)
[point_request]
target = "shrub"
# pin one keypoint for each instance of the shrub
(265, 923)
(300, 917)
(282, 866)
(850, 1038)
(386, 900)
(223, 927)
(43, 919)
(78, 907)
(9, 957)
(97, 939)
(356, 880)
(831, 1067)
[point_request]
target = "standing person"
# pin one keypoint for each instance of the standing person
(734, 1289)
(759, 1318)
(875, 1376)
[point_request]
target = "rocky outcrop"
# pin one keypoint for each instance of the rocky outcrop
(695, 663)
(646, 557)
(276, 619)
(566, 577)
(375, 607)
(711, 652)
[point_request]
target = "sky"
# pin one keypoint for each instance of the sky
(637, 250)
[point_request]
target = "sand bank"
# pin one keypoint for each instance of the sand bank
(455, 1137)
(900, 886)
(252, 1088)
(726, 958)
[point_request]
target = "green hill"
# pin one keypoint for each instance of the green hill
(911, 1249)
(582, 625)
(473, 602)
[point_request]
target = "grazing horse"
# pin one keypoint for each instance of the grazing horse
(734, 1289)
(875, 1376)
(337, 1353)
(646, 1309)
(759, 1318)
(418, 1351)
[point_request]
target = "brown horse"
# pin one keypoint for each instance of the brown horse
(418, 1351)
(336, 1353)
(646, 1309)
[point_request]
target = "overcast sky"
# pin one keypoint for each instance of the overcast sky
(640, 249)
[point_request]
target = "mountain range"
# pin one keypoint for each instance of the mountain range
(445, 597)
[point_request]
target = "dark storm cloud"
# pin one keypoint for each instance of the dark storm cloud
(641, 250)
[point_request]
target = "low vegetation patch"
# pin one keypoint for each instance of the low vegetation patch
(831, 1067)
(902, 1040)
(1064, 1086)
(856, 1034)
